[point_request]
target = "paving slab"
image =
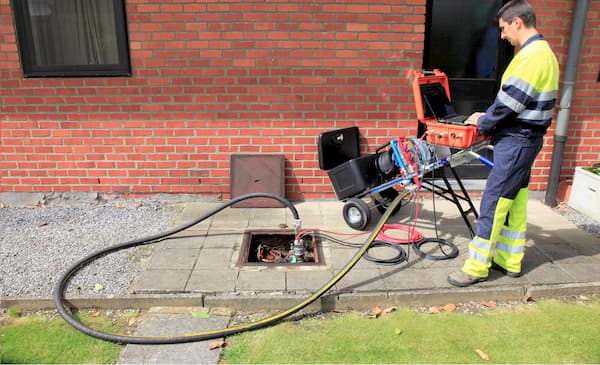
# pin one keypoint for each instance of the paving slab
(558, 254)
(160, 323)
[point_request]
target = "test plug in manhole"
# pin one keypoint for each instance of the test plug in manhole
(274, 248)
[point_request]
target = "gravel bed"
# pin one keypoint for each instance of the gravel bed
(38, 244)
(580, 220)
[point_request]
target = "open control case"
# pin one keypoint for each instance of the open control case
(435, 84)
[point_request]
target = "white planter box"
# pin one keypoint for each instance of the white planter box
(585, 193)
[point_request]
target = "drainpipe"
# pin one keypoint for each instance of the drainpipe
(564, 109)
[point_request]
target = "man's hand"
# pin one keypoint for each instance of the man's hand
(472, 119)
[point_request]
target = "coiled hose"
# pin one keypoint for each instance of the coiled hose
(62, 284)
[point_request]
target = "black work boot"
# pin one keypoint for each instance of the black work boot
(511, 274)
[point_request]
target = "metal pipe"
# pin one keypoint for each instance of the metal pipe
(564, 111)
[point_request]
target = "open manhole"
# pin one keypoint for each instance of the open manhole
(276, 248)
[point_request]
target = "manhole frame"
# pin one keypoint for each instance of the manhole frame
(242, 260)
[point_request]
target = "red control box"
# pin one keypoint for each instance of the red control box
(429, 110)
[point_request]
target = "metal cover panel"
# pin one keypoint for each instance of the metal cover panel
(337, 147)
(257, 174)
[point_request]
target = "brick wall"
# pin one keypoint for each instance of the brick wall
(212, 79)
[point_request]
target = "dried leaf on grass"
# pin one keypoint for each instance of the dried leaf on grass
(389, 309)
(528, 299)
(131, 321)
(95, 314)
(449, 307)
(434, 310)
(217, 344)
(489, 304)
(375, 312)
(483, 355)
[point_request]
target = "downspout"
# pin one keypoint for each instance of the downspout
(564, 109)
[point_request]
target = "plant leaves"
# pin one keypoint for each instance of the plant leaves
(483, 355)
(217, 344)
(200, 314)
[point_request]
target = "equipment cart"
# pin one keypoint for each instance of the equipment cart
(404, 163)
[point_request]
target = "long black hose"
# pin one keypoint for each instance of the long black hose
(62, 284)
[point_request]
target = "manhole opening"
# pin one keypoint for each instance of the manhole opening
(276, 248)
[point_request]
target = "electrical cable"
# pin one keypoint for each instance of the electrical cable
(61, 303)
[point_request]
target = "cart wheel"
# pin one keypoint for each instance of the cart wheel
(357, 213)
(388, 196)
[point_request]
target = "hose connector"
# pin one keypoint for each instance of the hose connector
(299, 250)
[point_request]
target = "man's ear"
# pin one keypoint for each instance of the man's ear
(518, 21)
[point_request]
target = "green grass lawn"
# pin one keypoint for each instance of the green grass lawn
(44, 339)
(547, 332)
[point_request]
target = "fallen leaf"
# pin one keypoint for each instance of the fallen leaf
(221, 362)
(98, 287)
(217, 344)
(449, 307)
(527, 299)
(95, 314)
(434, 310)
(389, 309)
(398, 331)
(482, 354)
(119, 206)
(131, 321)
(491, 304)
(375, 312)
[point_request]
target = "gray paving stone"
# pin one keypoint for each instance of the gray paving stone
(261, 280)
(212, 281)
(173, 258)
(190, 239)
(402, 278)
(214, 259)
(305, 280)
(357, 280)
(161, 281)
(161, 324)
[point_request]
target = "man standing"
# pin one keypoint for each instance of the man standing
(517, 122)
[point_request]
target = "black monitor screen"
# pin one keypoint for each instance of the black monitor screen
(435, 101)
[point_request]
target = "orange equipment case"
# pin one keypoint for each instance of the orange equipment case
(451, 135)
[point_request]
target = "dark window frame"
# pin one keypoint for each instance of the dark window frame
(469, 94)
(31, 69)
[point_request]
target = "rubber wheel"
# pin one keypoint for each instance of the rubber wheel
(357, 214)
(388, 196)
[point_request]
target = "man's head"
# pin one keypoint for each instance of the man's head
(517, 22)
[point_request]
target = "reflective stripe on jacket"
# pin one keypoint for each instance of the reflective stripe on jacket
(525, 102)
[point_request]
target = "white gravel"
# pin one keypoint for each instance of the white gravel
(38, 244)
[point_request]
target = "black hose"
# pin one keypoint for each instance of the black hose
(400, 257)
(62, 284)
(441, 242)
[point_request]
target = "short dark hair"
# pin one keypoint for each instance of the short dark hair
(518, 9)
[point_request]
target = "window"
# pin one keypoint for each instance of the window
(72, 37)
(464, 42)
